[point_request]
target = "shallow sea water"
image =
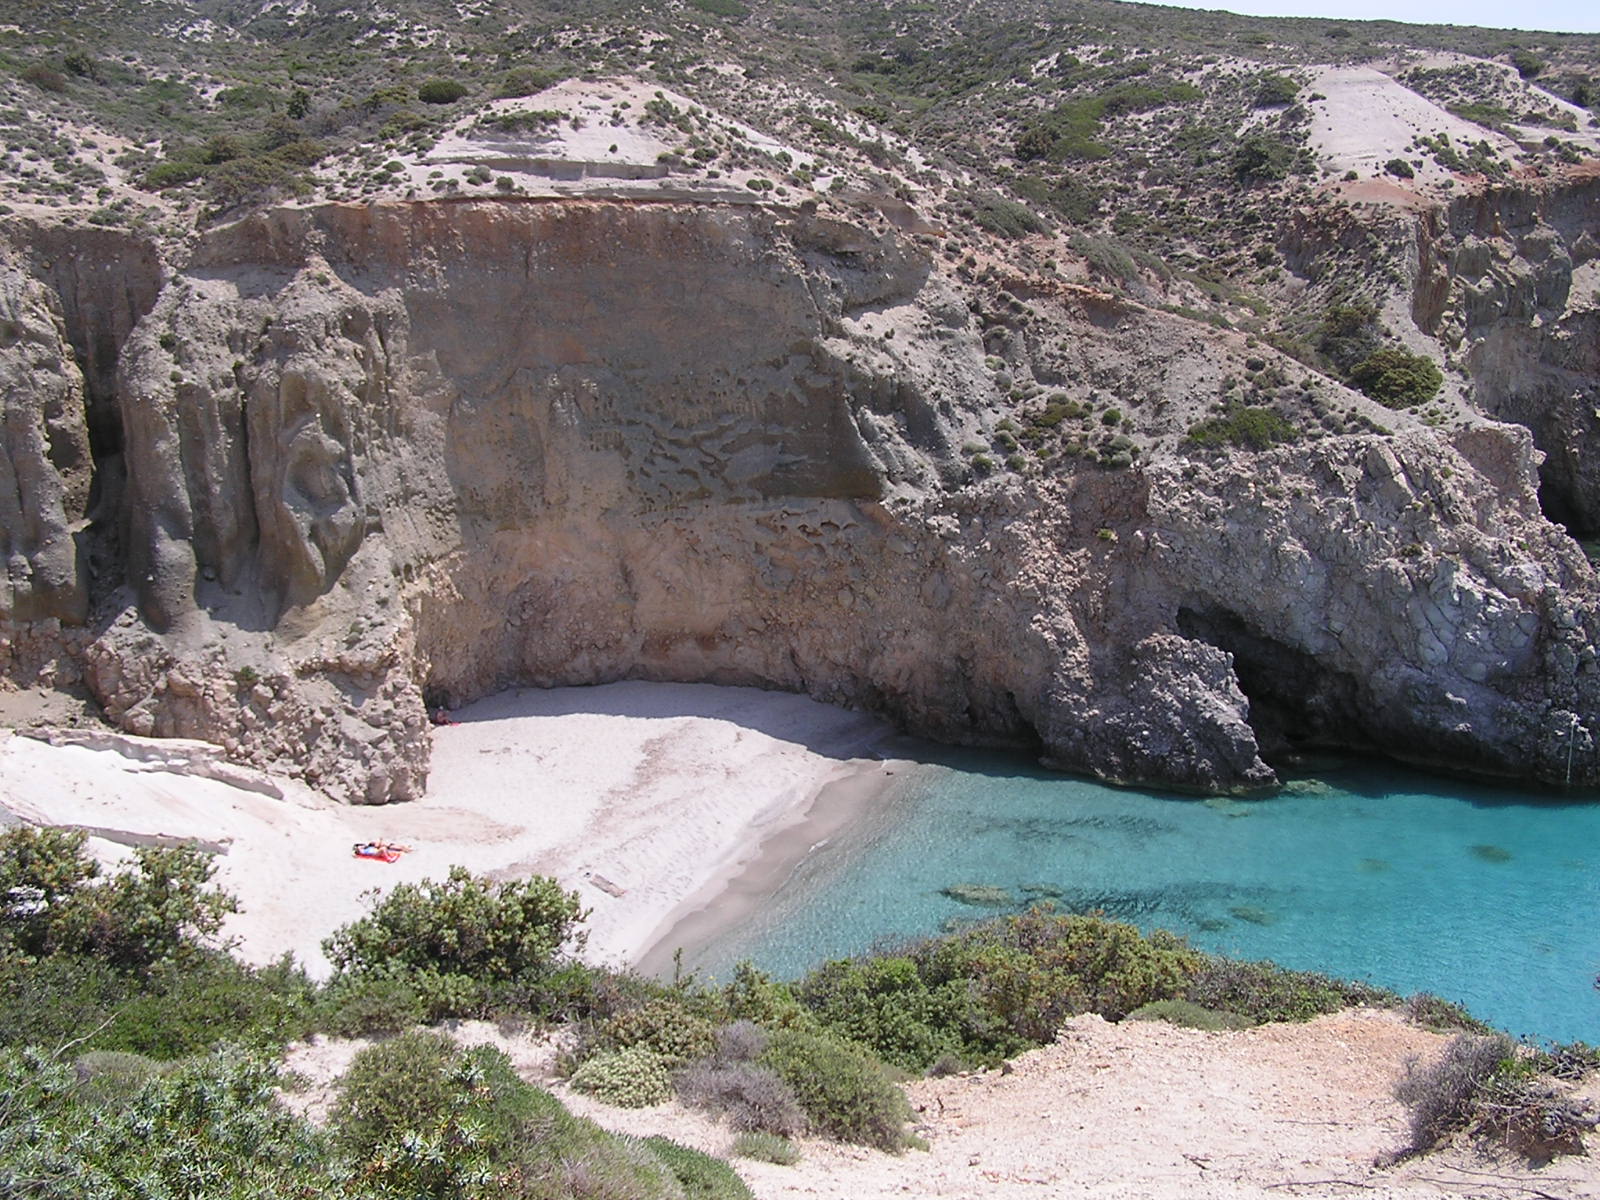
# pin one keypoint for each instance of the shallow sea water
(1486, 896)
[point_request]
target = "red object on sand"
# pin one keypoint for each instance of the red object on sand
(378, 850)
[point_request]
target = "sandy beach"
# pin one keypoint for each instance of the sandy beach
(647, 798)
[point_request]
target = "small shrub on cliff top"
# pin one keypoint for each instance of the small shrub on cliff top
(1189, 1015)
(885, 1004)
(664, 1026)
(1441, 1094)
(1031, 972)
(630, 1078)
(419, 1117)
(701, 1176)
(751, 1097)
(1264, 991)
(843, 1091)
(766, 1147)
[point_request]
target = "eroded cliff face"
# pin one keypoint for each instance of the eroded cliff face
(1509, 278)
(377, 452)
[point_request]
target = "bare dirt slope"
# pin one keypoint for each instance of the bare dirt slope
(1137, 1109)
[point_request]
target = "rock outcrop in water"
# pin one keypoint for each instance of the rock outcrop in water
(340, 459)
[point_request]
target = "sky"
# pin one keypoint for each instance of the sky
(1569, 16)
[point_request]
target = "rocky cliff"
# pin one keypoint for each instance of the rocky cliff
(333, 460)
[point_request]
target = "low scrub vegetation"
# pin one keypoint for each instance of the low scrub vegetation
(1397, 377)
(1248, 426)
(136, 1054)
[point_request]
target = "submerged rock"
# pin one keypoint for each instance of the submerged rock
(979, 895)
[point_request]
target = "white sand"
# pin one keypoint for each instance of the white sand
(657, 791)
(1368, 118)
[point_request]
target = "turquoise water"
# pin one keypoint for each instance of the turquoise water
(1482, 895)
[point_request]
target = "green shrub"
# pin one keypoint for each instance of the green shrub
(1243, 425)
(1106, 258)
(1399, 168)
(172, 173)
(1033, 971)
(1262, 157)
(766, 1147)
(526, 81)
(54, 900)
(183, 1008)
(664, 1026)
(1347, 333)
(419, 1117)
(1188, 1015)
(1069, 196)
(1005, 217)
(885, 1004)
(455, 940)
(630, 1078)
(398, 1085)
(1528, 64)
(1429, 1010)
(756, 997)
(441, 91)
(1397, 378)
(1264, 991)
(844, 1092)
(369, 1005)
(112, 1078)
(701, 1176)
(210, 1126)
(1275, 91)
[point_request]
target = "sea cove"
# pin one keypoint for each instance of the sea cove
(1483, 895)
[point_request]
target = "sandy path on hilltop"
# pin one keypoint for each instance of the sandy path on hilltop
(645, 798)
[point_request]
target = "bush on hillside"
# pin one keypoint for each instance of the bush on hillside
(749, 1096)
(1031, 972)
(885, 1004)
(1247, 426)
(701, 1176)
(441, 91)
(1005, 217)
(843, 1091)
(212, 1122)
(631, 1078)
(1275, 91)
(766, 1147)
(54, 900)
(665, 1026)
(467, 925)
(1441, 1095)
(1397, 377)
(420, 1117)
(1188, 1015)
(1264, 991)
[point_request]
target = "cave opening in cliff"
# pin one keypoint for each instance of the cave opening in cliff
(1559, 505)
(1296, 702)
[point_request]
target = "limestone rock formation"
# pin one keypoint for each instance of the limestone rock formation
(367, 454)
